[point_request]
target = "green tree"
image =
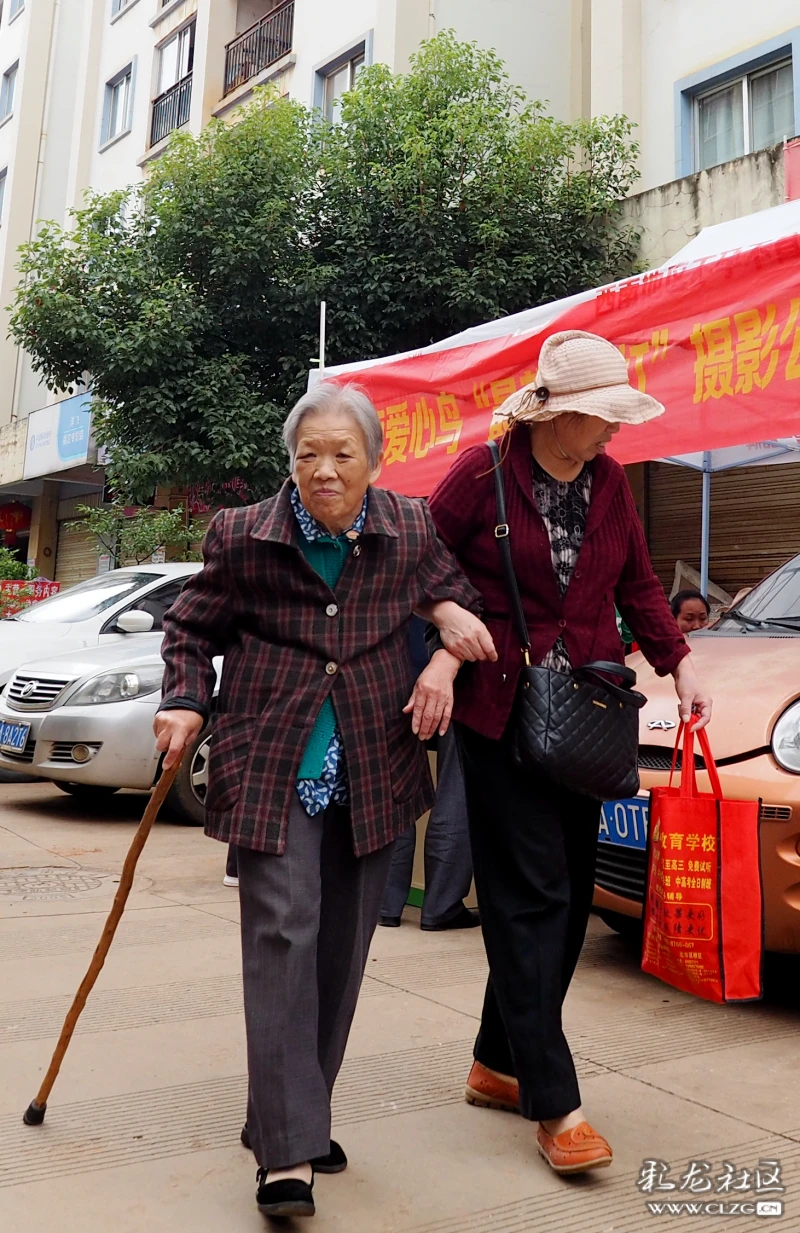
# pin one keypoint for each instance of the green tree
(450, 200)
(13, 570)
(131, 539)
(441, 199)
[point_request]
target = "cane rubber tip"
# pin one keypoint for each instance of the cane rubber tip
(34, 1114)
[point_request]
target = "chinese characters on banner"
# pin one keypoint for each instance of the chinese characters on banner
(14, 596)
(683, 901)
(718, 343)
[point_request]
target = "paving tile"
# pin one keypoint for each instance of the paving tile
(758, 1081)
(142, 1130)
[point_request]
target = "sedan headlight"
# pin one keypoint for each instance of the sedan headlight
(119, 686)
(786, 740)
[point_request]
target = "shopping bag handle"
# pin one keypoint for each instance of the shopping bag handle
(688, 773)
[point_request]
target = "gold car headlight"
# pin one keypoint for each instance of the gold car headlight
(786, 740)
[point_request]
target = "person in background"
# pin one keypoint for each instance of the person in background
(231, 867)
(448, 860)
(691, 610)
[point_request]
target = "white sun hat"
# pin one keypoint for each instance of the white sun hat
(580, 372)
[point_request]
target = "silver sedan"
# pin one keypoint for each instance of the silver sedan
(85, 721)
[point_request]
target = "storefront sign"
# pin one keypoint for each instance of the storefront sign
(58, 437)
(14, 596)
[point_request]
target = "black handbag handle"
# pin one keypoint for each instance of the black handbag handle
(502, 534)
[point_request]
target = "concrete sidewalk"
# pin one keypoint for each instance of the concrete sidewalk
(142, 1130)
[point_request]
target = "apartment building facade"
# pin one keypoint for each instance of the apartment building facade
(92, 90)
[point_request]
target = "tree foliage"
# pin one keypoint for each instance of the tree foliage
(133, 538)
(12, 569)
(441, 199)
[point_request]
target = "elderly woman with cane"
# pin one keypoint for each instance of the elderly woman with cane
(545, 527)
(317, 761)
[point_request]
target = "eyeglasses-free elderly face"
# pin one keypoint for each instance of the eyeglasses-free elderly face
(332, 468)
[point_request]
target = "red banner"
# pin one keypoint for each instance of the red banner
(718, 343)
(14, 596)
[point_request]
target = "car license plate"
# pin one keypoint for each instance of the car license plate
(625, 822)
(13, 737)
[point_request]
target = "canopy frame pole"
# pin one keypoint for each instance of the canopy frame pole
(323, 314)
(705, 530)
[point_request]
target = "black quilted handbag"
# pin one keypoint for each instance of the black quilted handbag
(580, 728)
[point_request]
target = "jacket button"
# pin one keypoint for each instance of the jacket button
(332, 609)
(331, 669)
(562, 624)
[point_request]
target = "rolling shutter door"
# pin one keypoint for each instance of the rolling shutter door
(76, 555)
(754, 521)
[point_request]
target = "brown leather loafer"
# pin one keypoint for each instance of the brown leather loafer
(490, 1090)
(575, 1150)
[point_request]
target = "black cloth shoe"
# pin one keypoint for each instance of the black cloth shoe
(334, 1162)
(289, 1197)
(465, 919)
(389, 922)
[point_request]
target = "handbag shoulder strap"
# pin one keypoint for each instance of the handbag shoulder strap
(503, 537)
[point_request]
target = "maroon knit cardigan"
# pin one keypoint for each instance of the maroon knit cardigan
(613, 568)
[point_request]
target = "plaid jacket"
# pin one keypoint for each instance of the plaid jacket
(289, 641)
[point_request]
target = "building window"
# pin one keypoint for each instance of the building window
(118, 5)
(749, 113)
(172, 106)
(15, 6)
(117, 106)
(7, 88)
(338, 82)
(3, 178)
(176, 59)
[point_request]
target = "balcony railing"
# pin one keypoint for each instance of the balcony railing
(267, 41)
(171, 109)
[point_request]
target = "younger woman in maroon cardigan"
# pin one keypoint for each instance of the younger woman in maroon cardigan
(579, 550)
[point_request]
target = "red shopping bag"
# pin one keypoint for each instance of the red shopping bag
(704, 911)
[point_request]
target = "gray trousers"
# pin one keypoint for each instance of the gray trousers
(307, 921)
(448, 861)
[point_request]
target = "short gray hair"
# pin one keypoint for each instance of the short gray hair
(327, 396)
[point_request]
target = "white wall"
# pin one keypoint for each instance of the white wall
(533, 38)
(12, 43)
(323, 29)
(682, 37)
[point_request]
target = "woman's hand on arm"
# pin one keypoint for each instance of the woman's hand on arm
(463, 634)
(694, 701)
(431, 703)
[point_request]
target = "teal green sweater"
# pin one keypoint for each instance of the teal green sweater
(327, 557)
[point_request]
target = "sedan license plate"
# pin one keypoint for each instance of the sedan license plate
(13, 737)
(624, 823)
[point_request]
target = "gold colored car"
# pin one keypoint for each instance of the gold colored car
(750, 661)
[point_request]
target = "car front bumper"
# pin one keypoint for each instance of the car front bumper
(119, 733)
(756, 779)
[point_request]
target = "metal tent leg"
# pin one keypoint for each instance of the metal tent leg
(705, 533)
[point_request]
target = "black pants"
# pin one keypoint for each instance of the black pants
(534, 847)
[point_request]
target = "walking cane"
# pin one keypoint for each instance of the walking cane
(34, 1114)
